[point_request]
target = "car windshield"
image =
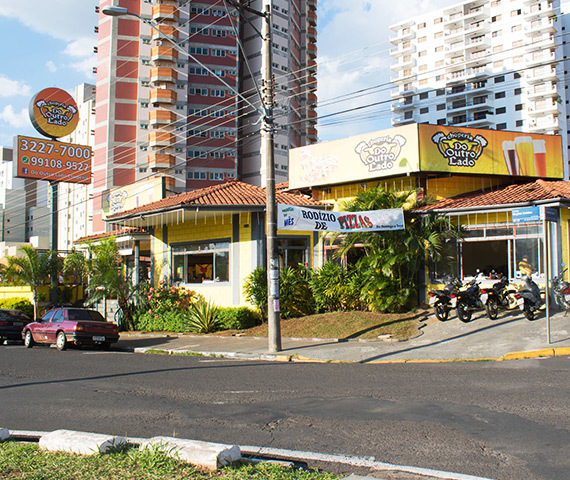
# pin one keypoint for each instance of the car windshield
(13, 314)
(89, 315)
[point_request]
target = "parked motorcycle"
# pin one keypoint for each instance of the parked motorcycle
(561, 291)
(500, 295)
(467, 301)
(440, 299)
(529, 299)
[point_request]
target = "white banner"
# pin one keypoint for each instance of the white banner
(301, 218)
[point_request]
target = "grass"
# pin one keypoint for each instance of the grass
(344, 325)
(25, 460)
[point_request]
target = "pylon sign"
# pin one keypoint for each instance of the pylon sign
(53, 113)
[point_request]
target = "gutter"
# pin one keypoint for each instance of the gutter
(553, 202)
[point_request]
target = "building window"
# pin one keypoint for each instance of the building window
(500, 110)
(441, 121)
(520, 123)
(518, 91)
(519, 107)
(441, 106)
(499, 95)
(439, 92)
(408, 115)
(217, 93)
(216, 175)
(424, 110)
(201, 262)
(501, 126)
(421, 25)
(516, 75)
(500, 79)
(201, 92)
(515, 13)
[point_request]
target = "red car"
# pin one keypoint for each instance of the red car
(75, 326)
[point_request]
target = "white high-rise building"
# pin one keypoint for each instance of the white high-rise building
(483, 64)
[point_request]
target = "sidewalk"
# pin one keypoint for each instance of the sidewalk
(511, 336)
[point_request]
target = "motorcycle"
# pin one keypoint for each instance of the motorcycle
(500, 295)
(467, 301)
(529, 299)
(561, 291)
(440, 299)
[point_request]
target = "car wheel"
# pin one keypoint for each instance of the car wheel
(61, 341)
(463, 313)
(28, 340)
(492, 308)
(441, 312)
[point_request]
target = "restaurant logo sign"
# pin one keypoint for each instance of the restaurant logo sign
(53, 113)
(380, 153)
(461, 149)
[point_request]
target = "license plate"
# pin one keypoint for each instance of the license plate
(484, 297)
(567, 296)
(432, 300)
(98, 338)
(18, 324)
(520, 303)
(453, 302)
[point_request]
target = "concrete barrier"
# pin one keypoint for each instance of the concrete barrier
(83, 443)
(202, 454)
(4, 434)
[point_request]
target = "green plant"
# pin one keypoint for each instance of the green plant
(255, 289)
(237, 318)
(18, 303)
(295, 294)
(202, 317)
(328, 285)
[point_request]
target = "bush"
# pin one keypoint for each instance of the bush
(237, 318)
(295, 294)
(203, 317)
(18, 303)
(255, 289)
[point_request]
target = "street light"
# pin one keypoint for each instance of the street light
(273, 308)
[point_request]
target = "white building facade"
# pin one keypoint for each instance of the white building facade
(483, 64)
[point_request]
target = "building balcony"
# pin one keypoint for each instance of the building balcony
(401, 107)
(543, 10)
(454, 49)
(407, 62)
(311, 98)
(161, 117)
(477, 43)
(454, 77)
(312, 116)
(477, 13)
(478, 28)
(481, 122)
(543, 107)
(540, 42)
(403, 35)
(454, 35)
(542, 90)
(312, 50)
(161, 74)
(454, 64)
(403, 120)
(546, 124)
(402, 49)
(165, 31)
(541, 75)
(312, 134)
(536, 27)
(163, 95)
(163, 54)
(164, 12)
(541, 57)
(403, 91)
(312, 33)
(312, 4)
(161, 160)
(161, 139)
(312, 17)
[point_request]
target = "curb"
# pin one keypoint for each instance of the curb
(521, 355)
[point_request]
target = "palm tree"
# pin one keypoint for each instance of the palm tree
(393, 259)
(33, 269)
(107, 278)
(74, 264)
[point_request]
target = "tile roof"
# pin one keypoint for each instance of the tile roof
(232, 193)
(113, 233)
(511, 194)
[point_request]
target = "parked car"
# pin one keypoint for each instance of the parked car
(12, 323)
(71, 326)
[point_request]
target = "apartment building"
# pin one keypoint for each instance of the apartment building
(166, 102)
(484, 64)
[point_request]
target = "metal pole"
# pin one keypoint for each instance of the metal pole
(53, 242)
(273, 308)
(546, 236)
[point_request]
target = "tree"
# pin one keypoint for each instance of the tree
(74, 264)
(393, 259)
(33, 269)
(107, 278)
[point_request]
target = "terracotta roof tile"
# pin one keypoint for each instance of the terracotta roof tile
(228, 194)
(528, 192)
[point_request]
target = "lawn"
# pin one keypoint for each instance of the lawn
(26, 460)
(345, 325)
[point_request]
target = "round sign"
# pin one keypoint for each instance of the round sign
(54, 113)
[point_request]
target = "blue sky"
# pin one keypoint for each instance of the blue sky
(49, 43)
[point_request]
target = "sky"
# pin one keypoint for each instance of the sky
(50, 44)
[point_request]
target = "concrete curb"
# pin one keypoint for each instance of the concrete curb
(82, 443)
(546, 352)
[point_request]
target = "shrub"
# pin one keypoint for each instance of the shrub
(237, 318)
(295, 294)
(18, 303)
(255, 289)
(203, 317)
(329, 287)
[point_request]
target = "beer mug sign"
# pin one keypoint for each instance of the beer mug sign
(511, 159)
(525, 154)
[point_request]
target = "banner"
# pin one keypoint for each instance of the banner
(300, 218)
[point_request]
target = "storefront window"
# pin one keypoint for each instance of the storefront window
(446, 266)
(293, 251)
(201, 262)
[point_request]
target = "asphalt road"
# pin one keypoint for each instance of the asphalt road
(501, 420)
